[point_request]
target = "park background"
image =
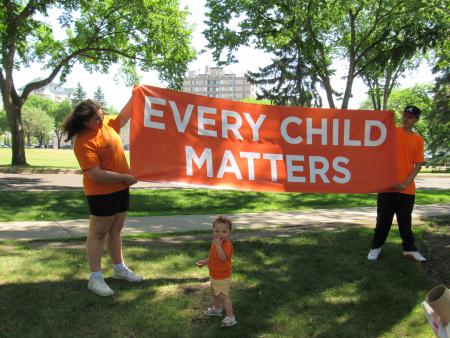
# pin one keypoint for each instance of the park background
(288, 282)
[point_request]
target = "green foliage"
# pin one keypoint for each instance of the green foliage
(42, 103)
(37, 118)
(257, 101)
(421, 96)
(145, 34)
(99, 96)
(439, 119)
(359, 34)
(78, 95)
(288, 80)
(60, 112)
(110, 110)
(381, 80)
(3, 122)
(37, 123)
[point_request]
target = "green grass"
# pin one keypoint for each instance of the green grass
(44, 158)
(49, 158)
(317, 284)
(58, 205)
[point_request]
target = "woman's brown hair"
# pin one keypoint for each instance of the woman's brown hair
(76, 121)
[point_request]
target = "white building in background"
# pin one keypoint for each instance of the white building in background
(54, 92)
(216, 83)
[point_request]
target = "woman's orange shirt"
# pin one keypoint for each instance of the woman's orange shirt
(101, 148)
(219, 269)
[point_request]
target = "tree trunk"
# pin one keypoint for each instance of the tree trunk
(17, 135)
(328, 90)
(387, 86)
(348, 92)
(58, 138)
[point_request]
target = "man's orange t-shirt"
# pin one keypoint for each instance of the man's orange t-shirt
(219, 269)
(409, 153)
(101, 148)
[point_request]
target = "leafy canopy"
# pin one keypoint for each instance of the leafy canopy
(145, 34)
(360, 36)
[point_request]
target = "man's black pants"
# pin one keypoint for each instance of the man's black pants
(401, 205)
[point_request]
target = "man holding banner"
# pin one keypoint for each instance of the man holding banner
(400, 201)
(215, 142)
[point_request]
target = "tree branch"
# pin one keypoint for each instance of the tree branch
(81, 52)
(39, 84)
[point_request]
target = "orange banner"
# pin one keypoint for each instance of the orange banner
(181, 137)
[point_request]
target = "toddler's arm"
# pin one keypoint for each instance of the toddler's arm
(222, 255)
(201, 263)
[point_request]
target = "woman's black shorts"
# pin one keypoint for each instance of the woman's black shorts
(109, 204)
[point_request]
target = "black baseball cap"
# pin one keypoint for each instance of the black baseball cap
(412, 110)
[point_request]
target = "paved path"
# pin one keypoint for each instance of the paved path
(316, 219)
(63, 181)
(319, 218)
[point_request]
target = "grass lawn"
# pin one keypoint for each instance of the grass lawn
(46, 158)
(50, 158)
(58, 205)
(317, 284)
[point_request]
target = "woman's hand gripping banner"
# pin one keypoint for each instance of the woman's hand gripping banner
(187, 138)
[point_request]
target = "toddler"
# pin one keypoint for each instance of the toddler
(219, 264)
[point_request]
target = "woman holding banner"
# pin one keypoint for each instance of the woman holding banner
(106, 182)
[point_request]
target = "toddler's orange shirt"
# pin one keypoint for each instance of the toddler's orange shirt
(101, 148)
(219, 269)
(409, 153)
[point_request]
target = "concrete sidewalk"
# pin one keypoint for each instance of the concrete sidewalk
(318, 218)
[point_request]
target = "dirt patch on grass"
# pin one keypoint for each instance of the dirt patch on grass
(436, 242)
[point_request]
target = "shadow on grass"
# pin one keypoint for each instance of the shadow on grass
(62, 205)
(311, 285)
(25, 183)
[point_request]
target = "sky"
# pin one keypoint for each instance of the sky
(117, 92)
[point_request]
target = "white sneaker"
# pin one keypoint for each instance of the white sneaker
(99, 287)
(128, 275)
(373, 254)
(414, 255)
(228, 321)
(212, 311)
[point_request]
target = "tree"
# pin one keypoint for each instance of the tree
(41, 102)
(3, 122)
(43, 107)
(355, 33)
(60, 112)
(440, 116)
(418, 95)
(381, 82)
(256, 101)
(288, 81)
(149, 34)
(108, 110)
(99, 96)
(78, 95)
(439, 119)
(37, 123)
